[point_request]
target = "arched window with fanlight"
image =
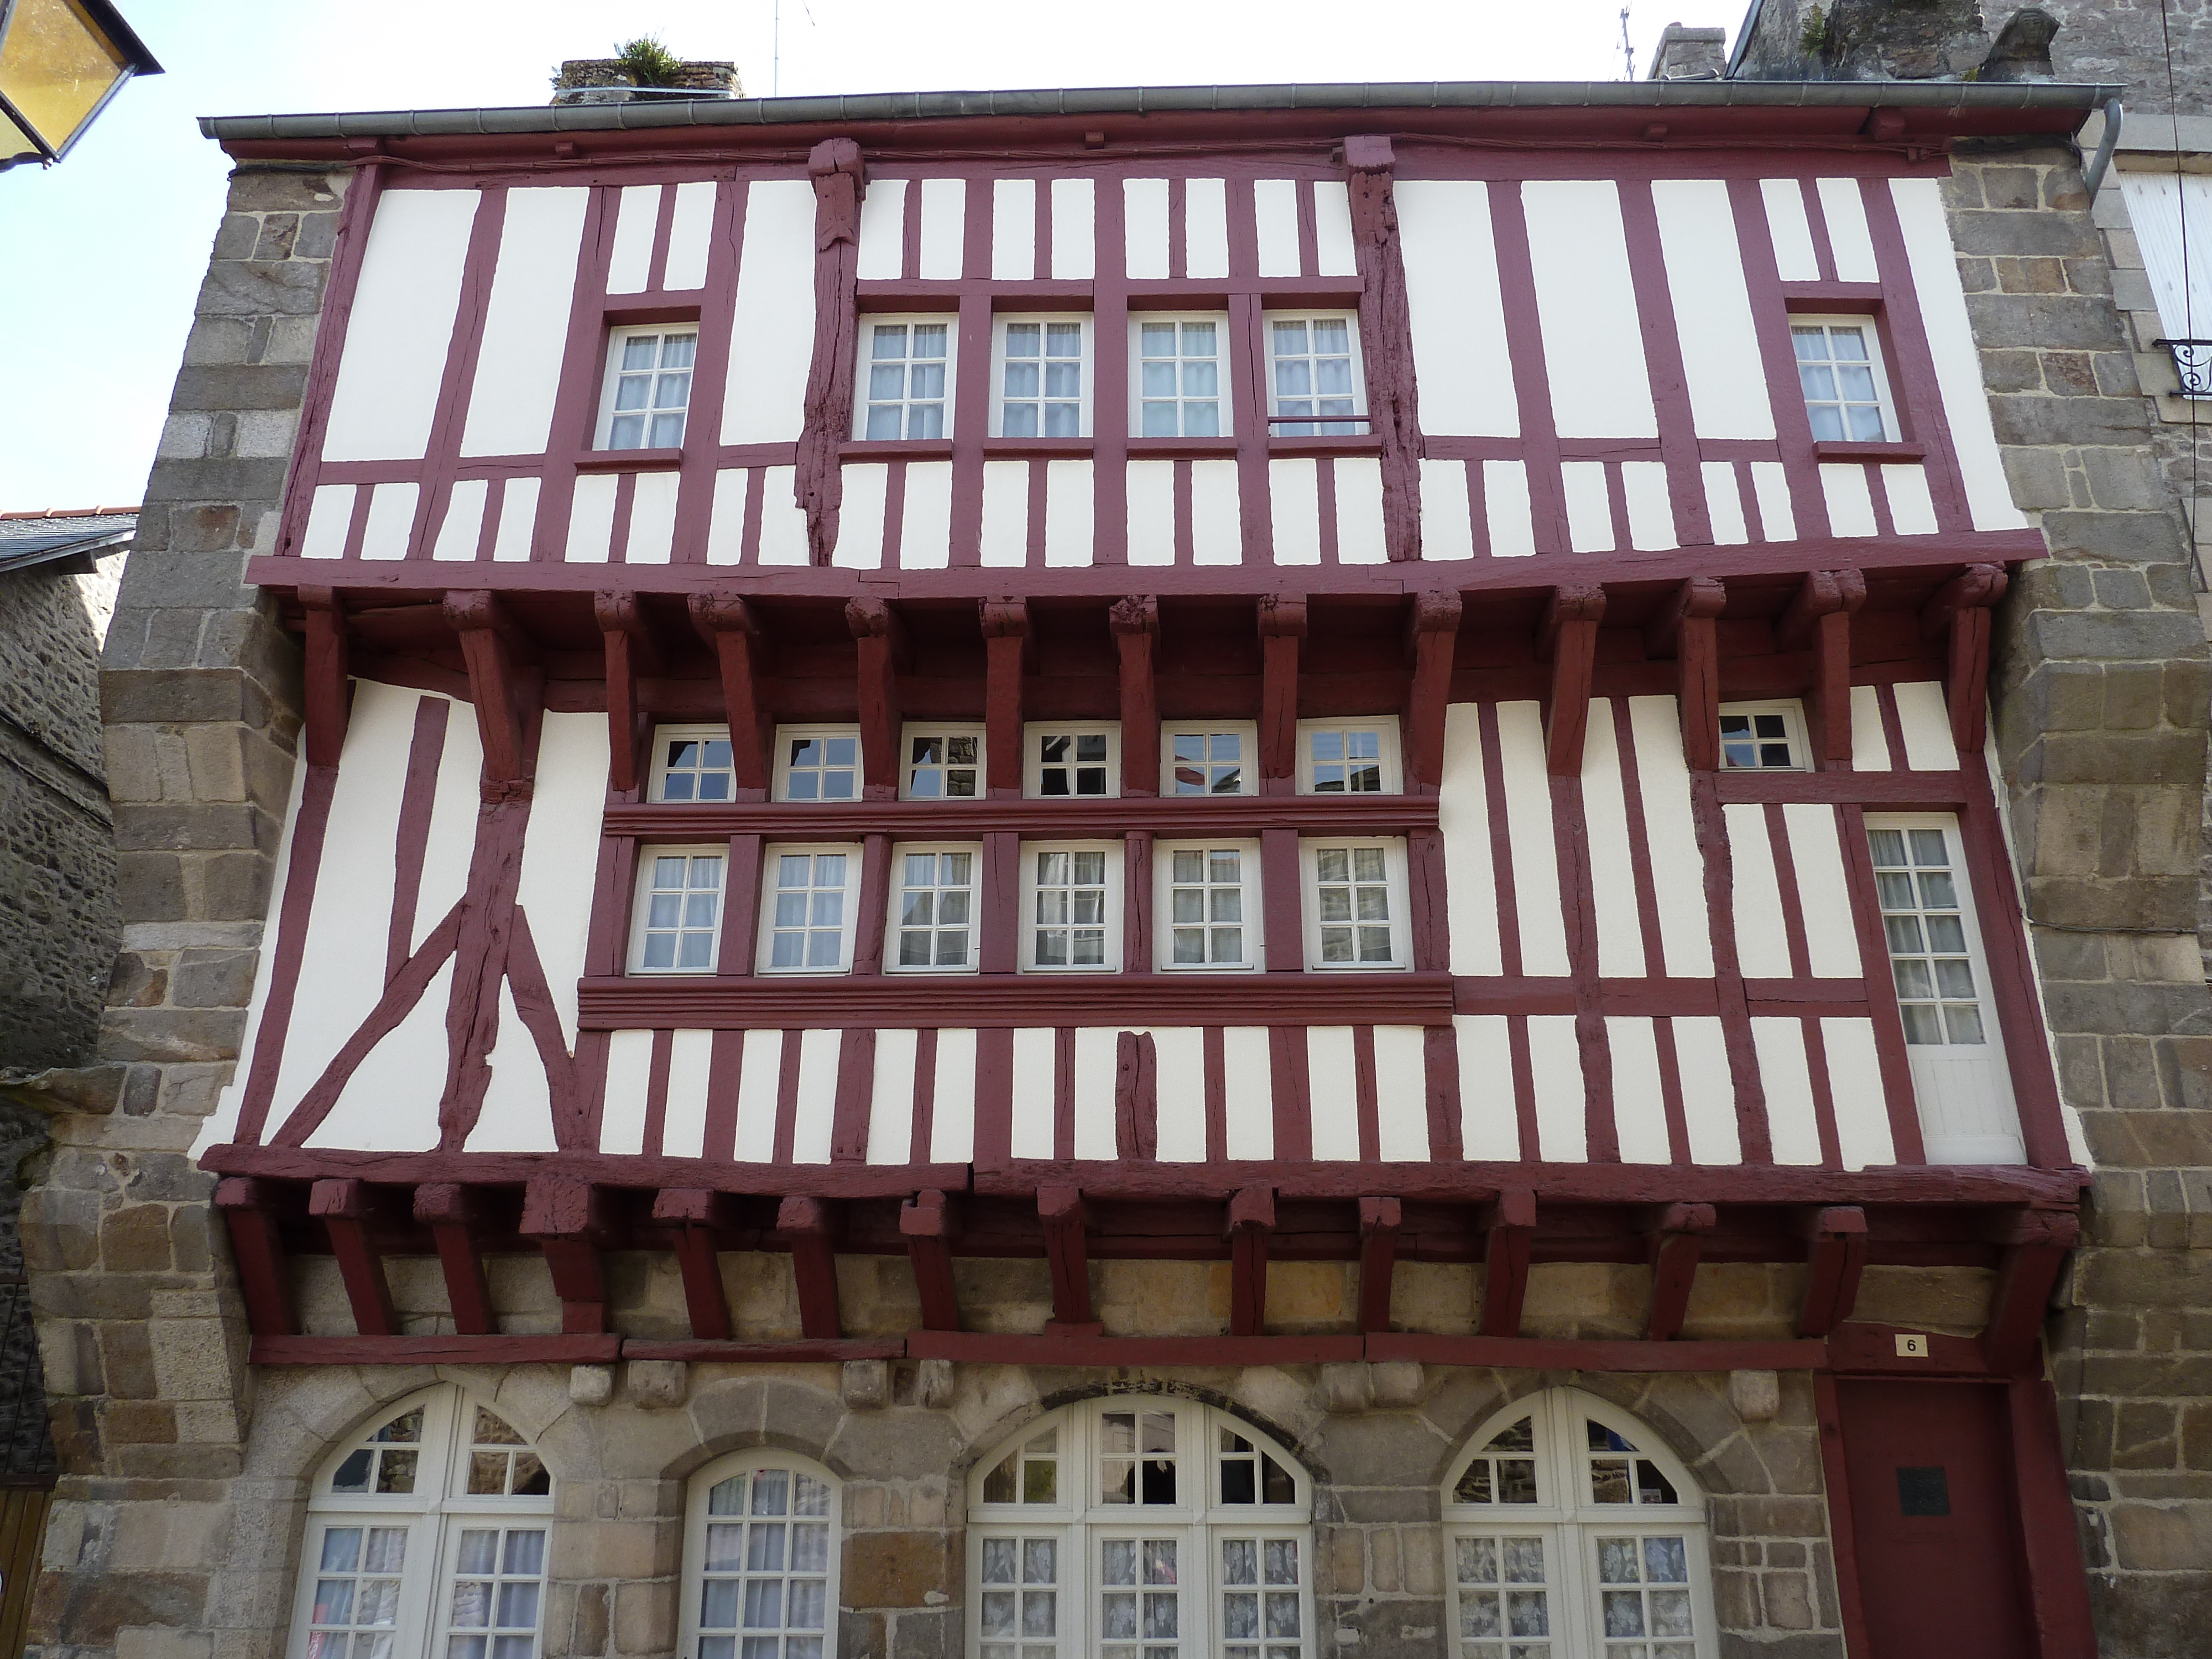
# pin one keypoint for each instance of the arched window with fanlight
(426, 1539)
(1574, 1534)
(760, 1561)
(1136, 1527)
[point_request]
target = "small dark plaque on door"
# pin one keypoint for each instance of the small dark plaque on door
(1923, 1492)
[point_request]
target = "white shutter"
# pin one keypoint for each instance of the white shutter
(2157, 203)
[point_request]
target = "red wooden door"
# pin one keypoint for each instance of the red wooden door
(1939, 1574)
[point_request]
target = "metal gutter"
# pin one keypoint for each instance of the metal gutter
(1956, 97)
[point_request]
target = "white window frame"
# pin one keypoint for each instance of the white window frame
(1571, 1521)
(434, 1516)
(1401, 936)
(899, 890)
(1080, 1522)
(787, 735)
(1792, 714)
(918, 729)
(642, 903)
(847, 912)
(663, 736)
(1872, 336)
(1254, 911)
(1968, 1114)
(610, 379)
(1248, 768)
(1090, 373)
(1033, 736)
(1224, 402)
(862, 401)
(1312, 426)
(1394, 775)
(697, 1520)
(1111, 950)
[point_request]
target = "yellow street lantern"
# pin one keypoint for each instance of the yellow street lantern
(60, 62)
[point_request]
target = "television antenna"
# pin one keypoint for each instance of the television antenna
(1627, 51)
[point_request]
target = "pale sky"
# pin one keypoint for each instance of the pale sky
(101, 257)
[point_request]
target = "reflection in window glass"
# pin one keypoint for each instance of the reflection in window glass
(1206, 907)
(1345, 760)
(1071, 763)
(936, 908)
(1208, 762)
(822, 767)
(498, 1577)
(357, 1591)
(1353, 894)
(944, 765)
(683, 912)
(764, 1592)
(1311, 374)
(1929, 958)
(1071, 909)
(1756, 742)
(696, 769)
(807, 927)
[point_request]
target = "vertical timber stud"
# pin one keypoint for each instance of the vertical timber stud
(328, 690)
(1136, 624)
(1432, 635)
(1684, 627)
(256, 1244)
(631, 650)
(450, 1210)
(835, 167)
(927, 1222)
(1507, 1231)
(567, 1220)
(1005, 652)
(1568, 635)
(726, 622)
(1386, 338)
(808, 1229)
(1060, 1209)
(2035, 1245)
(1251, 1219)
(881, 642)
(2050, 1535)
(1379, 1220)
(342, 1208)
(1821, 616)
(699, 1217)
(1835, 1257)
(1676, 1242)
(1961, 609)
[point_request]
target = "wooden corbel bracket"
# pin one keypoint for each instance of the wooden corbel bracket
(253, 1210)
(808, 1227)
(568, 1220)
(1508, 1231)
(1380, 1219)
(1836, 1253)
(1282, 631)
(495, 648)
(1432, 637)
(929, 1221)
(1135, 621)
(883, 653)
(1686, 627)
(329, 688)
(726, 621)
(2035, 1245)
(699, 1217)
(1251, 1219)
(1820, 616)
(1568, 635)
(453, 1212)
(1005, 624)
(344, 1207)
(1960, 610)
(1676, 1242)
(1065, 1222)
(632, 651)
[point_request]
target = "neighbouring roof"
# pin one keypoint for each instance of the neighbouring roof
(78, 534)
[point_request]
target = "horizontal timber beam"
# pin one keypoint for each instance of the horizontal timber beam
(1240, 815)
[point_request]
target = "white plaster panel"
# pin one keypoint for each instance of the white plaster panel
(456, 801)
(890, 1097)
(952, 1110)
(943, 228)
(1851, 503)
(1869, 743)
(1489, 1120)
(1724, 504)
(1447, 520)
(1816, 855)
(690, 232)
(1862, 1134)
(390, 1104)
(1074, 230)
(1639, 1101)
(1275, 211)
(1014, 230)
(813, 1119)
(518, 521)
(652, 518)
(783, 521)
(590, 519)
(1294, 503)
(627, 1091)
(1098, 1053)
(1005, 513)
(926, 530)
(882, 257)
(1650, 507)
(1762, 944)
(1217, 533)
(1849, 241)
(1528, 829)
(726, 521)
(561, 845)
(1333, 228)
(1721, 361)
(1586, 304)
(629, 265)
(1790, 230)
(1247, 1093)
(1589, 507)
(1911, 508)
(402, 326)
(1179, 1093)
(525, 330)
(683, 1121)
(330, 518)
(1150, 489)
(1670, 837)
(1463, 821)
(1770, 486)
(760, 1073)
(1070, 513)
(1612, 862)
(1402, 1094)
(1037, 1073)
(464, 521)
(1205, 228)
(1456, 307)
(1555, 1061)
(1358, 480)
(1145, 228)
(1957, 361)
(390, 520)
(1924, 719)
(772, 327)
(1792, 1125)
(860, 518)
(1505, 504)
(1701, 1060)
(1333, 1087)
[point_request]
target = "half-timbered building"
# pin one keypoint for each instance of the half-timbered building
(1170, 872)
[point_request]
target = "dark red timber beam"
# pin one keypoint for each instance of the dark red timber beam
(493, 647)
(1820, 616)
(1251, 1219)
(839, 177)
(453, 1212)
(1686, 627)
(1836, 1256)
(1961, 613)
(1065, 1221)
(1135, 622)
(1568, 635)
(569, 1221)
(1379, 1221)
(929, 1221)
(1432, 635)
(1507, 1234)
(726, 622)
(1676, 1243)
(698, 1217)
(808, 1227)
(1386, 338)
(1282, 624)
(631, 651)
(249, 1209)
(1005, 660)
(343, 1207)
(2035, 1245)
(328, 690)
(2050, 1531)
(880, 641)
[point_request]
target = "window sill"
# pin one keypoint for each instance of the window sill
(896, 449)
(1006, 449)
(630, 460)
(1347, 443)
(1832, 450)
(1181, 449)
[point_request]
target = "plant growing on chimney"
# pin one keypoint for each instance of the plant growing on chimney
(648, 62)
